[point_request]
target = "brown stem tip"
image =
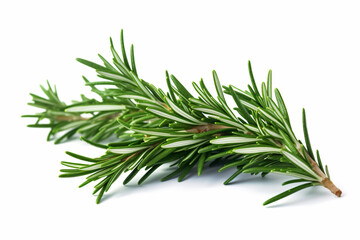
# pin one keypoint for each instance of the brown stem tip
(326, 182)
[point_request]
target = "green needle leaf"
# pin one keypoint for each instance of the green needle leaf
(94, 108)
(92, 65)
(126, 62)
(269, 84)
(294, 181)
(218, 85)
(306, 135)
(131, 176)
(253, 79)
(241, 108)
(232, 177)
(148, 173)
(182, 90)
(133, 65)
(99, 197)
(319, 161)
(201, 164)
(171, 91)
(327, 171)
(281, 104)
(287, 193)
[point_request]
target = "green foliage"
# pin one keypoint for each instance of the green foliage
(153, 128)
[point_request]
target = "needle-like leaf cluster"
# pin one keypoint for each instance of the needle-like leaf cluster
(174, 128)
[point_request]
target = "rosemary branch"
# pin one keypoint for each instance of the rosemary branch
(154, 128)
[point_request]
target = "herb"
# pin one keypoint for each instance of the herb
(154, 128)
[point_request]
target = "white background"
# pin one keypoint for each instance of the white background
(313, 49)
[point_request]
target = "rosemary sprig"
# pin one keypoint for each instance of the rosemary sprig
(154, 128)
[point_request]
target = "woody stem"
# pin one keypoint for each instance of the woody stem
(325, 181)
